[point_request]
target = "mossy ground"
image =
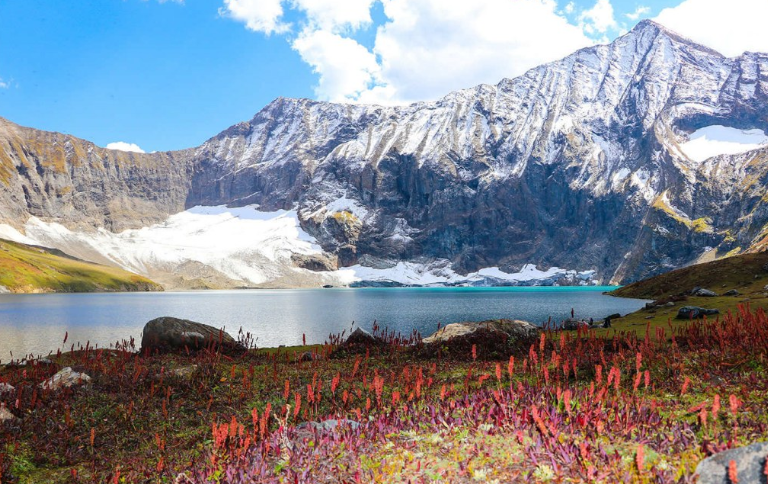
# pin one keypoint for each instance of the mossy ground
(26, 268)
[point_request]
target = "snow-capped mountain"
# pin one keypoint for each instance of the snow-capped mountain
(619, 161)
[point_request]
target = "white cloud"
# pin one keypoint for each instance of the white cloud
(599, 18)
(258, 15)
(335, 15)
(432, 47)
(123, 146)
(639, 12)
(569, 8)
(346, 68)
(4, 84)
(730, 27)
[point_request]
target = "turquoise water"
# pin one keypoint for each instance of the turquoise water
(36, 323)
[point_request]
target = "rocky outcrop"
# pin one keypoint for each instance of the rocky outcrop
(168, 334)
(576, 164)
(506, 329)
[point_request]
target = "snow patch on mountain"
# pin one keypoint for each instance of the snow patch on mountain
(242, 243)
(9, 233)
(345, 204)
(440, 273)
(718, 140)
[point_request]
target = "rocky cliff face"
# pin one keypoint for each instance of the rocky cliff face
(63, 178)
(580, 164)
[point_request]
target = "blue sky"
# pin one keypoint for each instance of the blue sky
(170, 74)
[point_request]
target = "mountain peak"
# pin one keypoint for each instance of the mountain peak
(649, 25)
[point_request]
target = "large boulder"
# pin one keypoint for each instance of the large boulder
(66, 378)
(505, 328)
(750, 465)
(693, 312)
(168, 334)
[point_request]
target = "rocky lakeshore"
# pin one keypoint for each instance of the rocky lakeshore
(496, 401)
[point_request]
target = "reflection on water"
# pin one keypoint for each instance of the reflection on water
(37, 323)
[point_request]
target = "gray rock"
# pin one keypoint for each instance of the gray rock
(694, 312)
(33, 362)
(750, 464)
(65, 378)
(4, 290)
(732, 292)
(701, 292)
(512, 329)
(362, 337)
(669, 304)
(184, 371)
(6, 388)
(5, 414)
(572, 324)
(168, 334)
(307, 356)
(328, 425)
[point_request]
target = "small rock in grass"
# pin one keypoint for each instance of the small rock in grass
(362, 337)
(693, 312)
(328, 425)
(5, 414)
(6, 388)
(66, 378)
(732, 292)
(307, 356)
(574, 324)
(701, 292)
(184, 371)
(749, 460)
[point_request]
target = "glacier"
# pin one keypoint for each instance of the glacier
(252, 248)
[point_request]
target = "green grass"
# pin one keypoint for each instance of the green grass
(27, 268)
(743, 273)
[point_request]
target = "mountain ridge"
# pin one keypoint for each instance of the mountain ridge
(578, 163)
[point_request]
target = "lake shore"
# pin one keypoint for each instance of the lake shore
(566, 405)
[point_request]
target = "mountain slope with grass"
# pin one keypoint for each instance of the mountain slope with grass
(28, 268)
(746, 274)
